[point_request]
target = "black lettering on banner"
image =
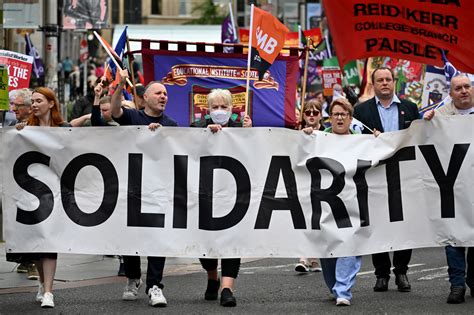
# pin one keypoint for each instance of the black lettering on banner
(269, 202)
(445, 2)
(400, 46)
(206, 182)
(362, 191)
(405, 47)
(35, 187)
(180, 201)
(329, 195)
(445, 180)
(392, 170)
(370, 43)
(360, 8)
(109, 200)
(135, 217)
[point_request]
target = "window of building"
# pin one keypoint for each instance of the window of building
(115, 11)
(185, 7)
(156, 7)
(132, 12)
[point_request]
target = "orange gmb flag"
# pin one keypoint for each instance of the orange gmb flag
(268, 39)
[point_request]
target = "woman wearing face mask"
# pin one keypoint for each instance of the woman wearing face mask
(44, 113)
(220, 110)
(340, 273)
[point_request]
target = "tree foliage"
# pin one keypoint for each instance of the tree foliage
(209, 13)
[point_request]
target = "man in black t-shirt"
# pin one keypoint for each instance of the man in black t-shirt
(155, 99)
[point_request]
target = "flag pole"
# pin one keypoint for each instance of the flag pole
(110, 55)
(249, 52)
(305, 75)
(130, 65)
(232, 20)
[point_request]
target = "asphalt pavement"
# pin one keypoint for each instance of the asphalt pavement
(88, 284)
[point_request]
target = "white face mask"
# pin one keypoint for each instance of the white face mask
(220, 116)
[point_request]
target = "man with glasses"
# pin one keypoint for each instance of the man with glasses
(21, 105)
(384, 113)
(460, 263)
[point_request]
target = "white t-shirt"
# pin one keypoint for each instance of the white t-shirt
(466, 111)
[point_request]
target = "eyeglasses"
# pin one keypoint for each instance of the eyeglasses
(342, 115)
(17, 106)
(312, 112)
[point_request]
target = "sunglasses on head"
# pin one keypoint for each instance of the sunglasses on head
(312, 112)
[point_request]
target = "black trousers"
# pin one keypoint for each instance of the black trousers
(229, 266)
(382, 263)
(154, 273)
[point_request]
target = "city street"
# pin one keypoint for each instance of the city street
(236, 128)
(264, 286)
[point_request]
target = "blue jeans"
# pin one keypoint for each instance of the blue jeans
(456, 258)
(340, 273)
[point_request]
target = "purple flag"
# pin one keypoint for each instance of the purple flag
(38, 67)
(228, 34)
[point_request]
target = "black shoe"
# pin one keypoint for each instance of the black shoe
(472, 292)
(402, 282)
(121, 271)
(212, 290)
(456, 296)
(227, 298)
(381, 285)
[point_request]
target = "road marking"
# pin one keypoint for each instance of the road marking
(442, 273)
(372, 271)
(268, 267)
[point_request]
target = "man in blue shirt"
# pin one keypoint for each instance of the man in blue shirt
(384, 113)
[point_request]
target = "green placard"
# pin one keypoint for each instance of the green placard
(351, 73)
(4, 101)
(331, 62)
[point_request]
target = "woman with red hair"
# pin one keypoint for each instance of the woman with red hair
(45, 109)
(44, 112)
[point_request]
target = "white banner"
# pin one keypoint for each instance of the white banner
(256, 192)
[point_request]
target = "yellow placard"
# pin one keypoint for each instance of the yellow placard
(4, 101)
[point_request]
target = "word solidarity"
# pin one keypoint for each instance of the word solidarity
(242, 192)
(209, 164)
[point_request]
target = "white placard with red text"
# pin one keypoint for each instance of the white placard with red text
(19, 69)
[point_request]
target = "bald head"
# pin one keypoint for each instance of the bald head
(461, 92)
(155, 99)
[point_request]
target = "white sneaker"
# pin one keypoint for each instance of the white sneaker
(48, 300)
(315, 267)
(156, 297)
(130, 293)
(302, 267)
(40, 294)
(343, 302)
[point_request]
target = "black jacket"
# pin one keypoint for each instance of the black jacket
(368, 114)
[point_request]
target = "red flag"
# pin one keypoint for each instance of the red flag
(267, 40)
(405, 29)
